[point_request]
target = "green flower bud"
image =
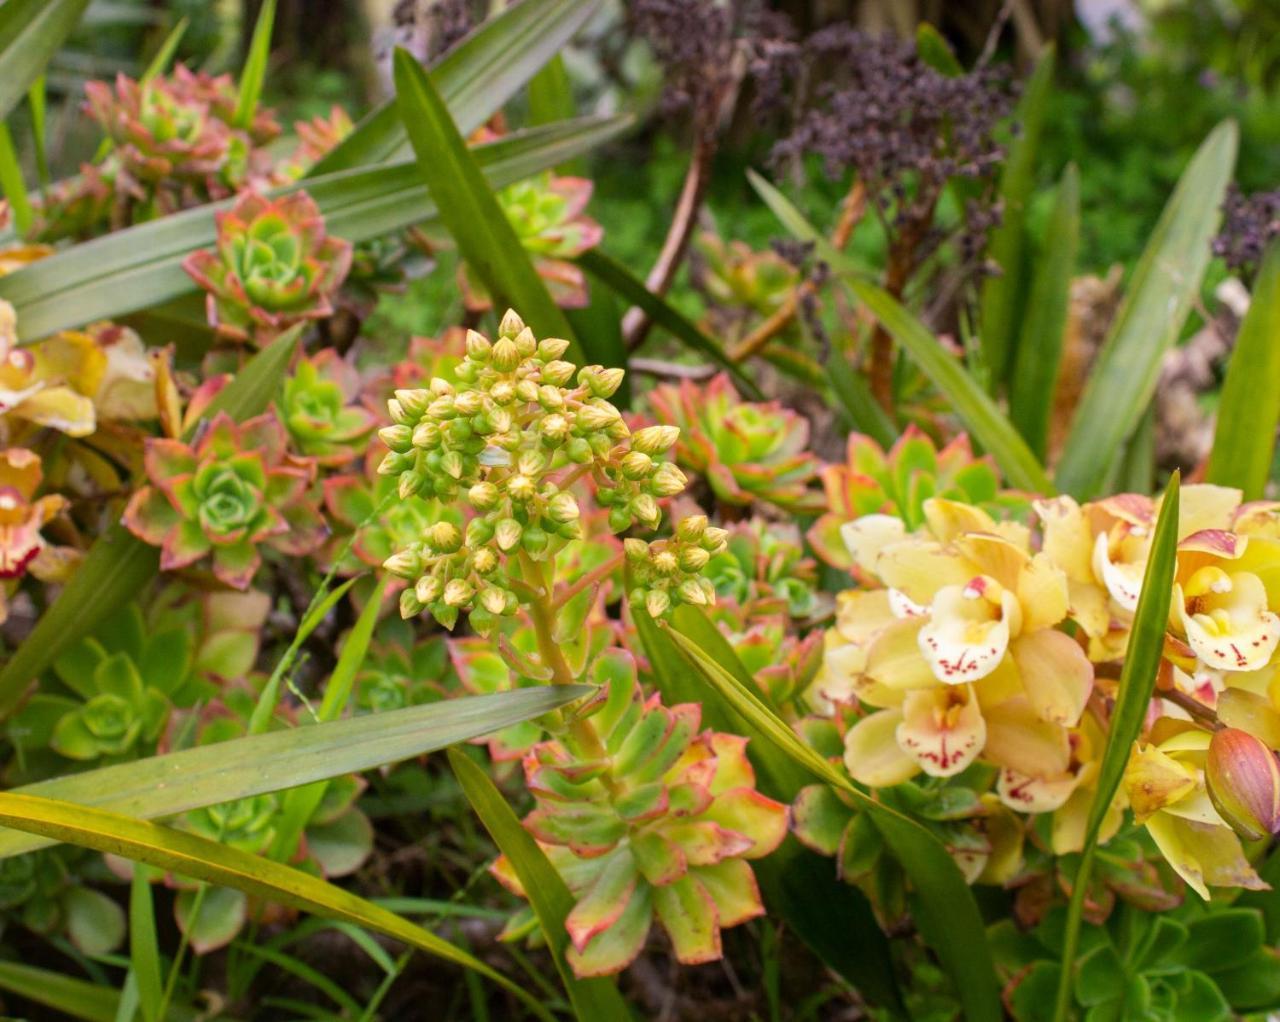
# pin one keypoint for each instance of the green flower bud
(411, 484)
(398, 415)
(619, 519)
(655, 439)
(468, 402)
(563, 508)
(406, 564)
(693, 558)
(410, 605)
(521, 488)
(428, 588)
(551, 398)
(483, 496)
(592, 417)
(690, 592)
(578, 450)
(445, 615)
(526, 343)
(395, 463)
(535, 541)
(531, 463)
(485, 561)
(551, 348)
(445, 537)
(493, 599)
(451, 463)
(554, 428)
(442, 408)
(1242, 776)
(637, 550)
(398, 438)
(506, 356)
(668, 480)
(557, 373)
(714, 540)
(466, 371)
(636, 465)
(665, 562)
(606, 382)
(691, 529)
(508, 534)
(500, 420)
(657, 602)
(503, 392)
(426, 436)
(413, 402)
(458, 592)
(646, 510)
(478, 346)
(460, 431)
(511, 324)
(479, 532)
(527, 390)
(441, 387)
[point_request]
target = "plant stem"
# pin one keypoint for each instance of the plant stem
(1071, 939)
(592, 577)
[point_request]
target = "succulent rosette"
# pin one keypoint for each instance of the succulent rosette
(316, 139)
(273, 266)
(746, 451)
(661, 824)
(237, 489)
(319, 406)
(548, 214)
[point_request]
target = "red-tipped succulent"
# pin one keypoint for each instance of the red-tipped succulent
(273, 266)
(233, 492)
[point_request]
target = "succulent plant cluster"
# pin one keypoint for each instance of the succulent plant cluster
(660, 825)
(746, 451)
(511, 437)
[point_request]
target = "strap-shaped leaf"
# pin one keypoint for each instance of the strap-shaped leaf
(592, 999)
(969, 401)
(1244, 439)
(208, 775)
(214, 863)
(30, 33)
(484, 235)
(118, 565)
(944, 905)
(1164, 284)
(1137, 681)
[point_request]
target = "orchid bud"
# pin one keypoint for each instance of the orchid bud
(1243, 779)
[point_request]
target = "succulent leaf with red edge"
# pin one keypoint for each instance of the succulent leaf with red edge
(318, 405)
(236, 489)
(273, 266)
(663, 826)
(548, 214)
(746, 451)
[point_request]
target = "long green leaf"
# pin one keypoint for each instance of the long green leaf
(254, 72)
(1137, 681)
(1244, 439)
(201, 859)
(160, 62)
(475, 78)
(208, 775)
(592, 999)
(142, 266)
(30, 33)
(119, 565)
(1164, 284)
(854, 394)
(976, 409)
(944, 905)
(802, 230)
(551, 100)
(484, 235)
(37, 101)
(1039, 351)
(75, 997)
(300, 803)
(144, 950)
(11, 182)
(630, 288)
(1003, 294)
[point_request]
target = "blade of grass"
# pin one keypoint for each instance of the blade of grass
(201, 859)
(1164, 284)
(300, 804)
(475, 78)
(208, 775)
(254, 72)
(160, 62)
(30, 33)
(144, 950)
(484, 235)
(630, 288)
(801, 229)
(78, 998)
(1244, 439)
(550, 898)
(1039, 349)
(15, 189)
(969, 401)
(943, 905)
(551, 100)
(37, 102)
(1004, 296)
(118, 565)
(1137, 680)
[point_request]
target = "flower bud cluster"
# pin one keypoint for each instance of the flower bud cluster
(510, 437)
(671, 571)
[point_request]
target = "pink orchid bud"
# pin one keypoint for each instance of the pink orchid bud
(1243, 778)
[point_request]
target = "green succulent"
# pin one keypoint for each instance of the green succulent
(319, 407)
(48, 893)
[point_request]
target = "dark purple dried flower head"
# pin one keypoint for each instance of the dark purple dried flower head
(1249, 224)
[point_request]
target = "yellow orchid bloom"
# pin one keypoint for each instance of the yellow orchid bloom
(49, 383)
